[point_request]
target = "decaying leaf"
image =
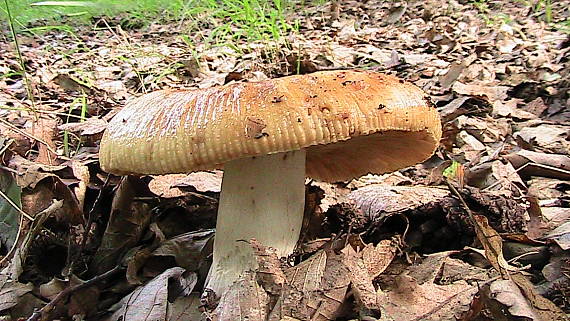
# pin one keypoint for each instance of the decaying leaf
(175, 185)
(185, 308)
(561, 235)
(82, 302)
(429, 292)
(493, 245)
(532, 305)
(151, 301)
(269, 273)
(507, 293)
(314, 290)
(245, 300)
(92, 126)
(9, 215)
(381, 201)
(541, 164)
(11, 292)
(190, 250)
(544, 137)
(126, 225)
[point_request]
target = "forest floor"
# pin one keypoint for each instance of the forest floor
(481, 231)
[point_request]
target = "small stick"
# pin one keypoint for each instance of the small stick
(70, 290)
(38, 222)
(16, 207)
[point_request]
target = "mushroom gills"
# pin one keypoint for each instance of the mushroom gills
(262, 198)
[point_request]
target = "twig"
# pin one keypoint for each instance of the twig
(55, 205)
(463, 203)
(9, 200)
(6, 146)
(18, 130)
(70, 290)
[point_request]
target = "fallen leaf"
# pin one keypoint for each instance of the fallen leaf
(422, 295)
(532, 163)
(9, 215)
(314, 289)
(452, 74)
(91, 126)
(150, 302)
(508, 294)
(493, 245)
(190, 250)
(546, 138)
(11, 292)
(381, 201)
(244, 300)
(128, 220)
(561, 235)
(185, 308)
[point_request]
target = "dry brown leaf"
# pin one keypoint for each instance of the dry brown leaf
(554, 217)
(485, 129)
(495, 176)
(244, 300)
(128, 220)
(68, 83)
(493, 93)
(190, 250)
(185, 308)
(540, 308)
(545, 137)
(361, 281)
(428, 292)
(493, 245)
(37, 199)
(45, 129)
(380, 201)
(560, 235)
(150, 302)
(170, 186)
(163, 185)
(81, 172)
(536, 107)
(508, 294)
(333, 194)
(314, 290)
(452, 74)
(82, 302)
(376, 258)
(210, 181)
(11, 292)
(91, 126)
(519, 297)
(391, 179)
(546, 189)
(541, 164)
(510, 108)
(269, 272)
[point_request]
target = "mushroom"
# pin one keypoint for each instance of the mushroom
(330, 125)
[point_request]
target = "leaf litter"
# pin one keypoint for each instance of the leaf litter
(480, 231)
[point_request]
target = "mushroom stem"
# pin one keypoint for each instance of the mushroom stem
(263, 198)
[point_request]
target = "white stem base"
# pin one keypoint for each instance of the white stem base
(262, 198)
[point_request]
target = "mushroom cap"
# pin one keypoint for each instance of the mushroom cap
(350, 123)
